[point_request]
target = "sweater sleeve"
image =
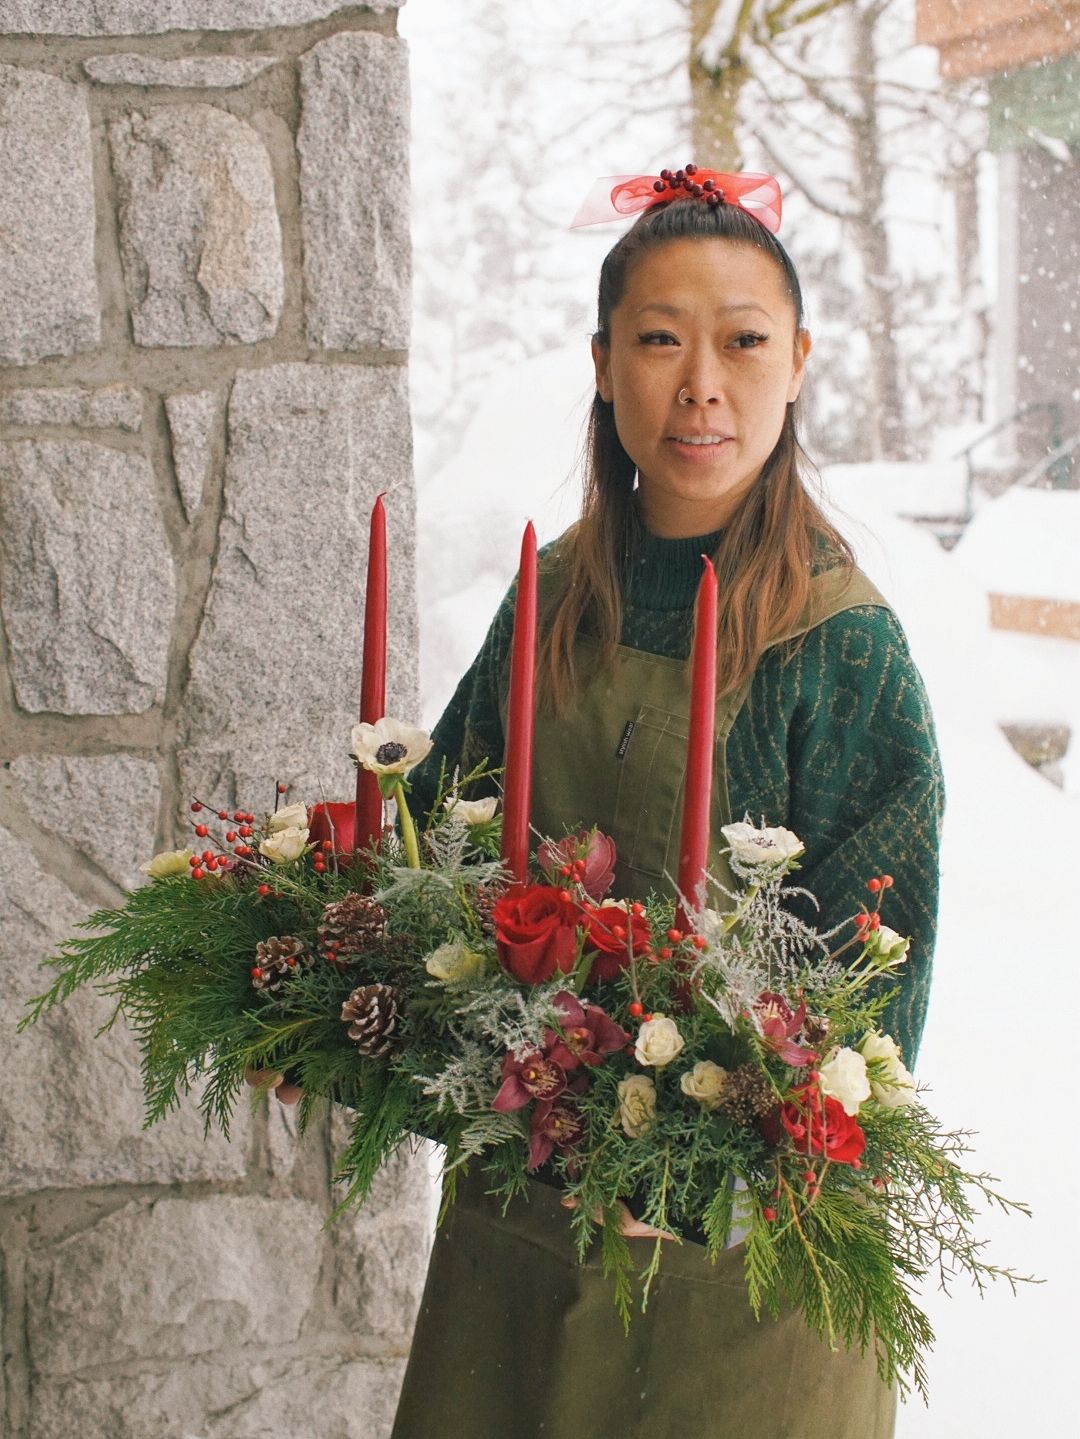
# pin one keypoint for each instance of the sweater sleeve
(837, 743)
(470, 728)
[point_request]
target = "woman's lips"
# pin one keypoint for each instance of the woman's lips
(700, 450)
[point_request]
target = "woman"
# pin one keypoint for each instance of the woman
(822, 726)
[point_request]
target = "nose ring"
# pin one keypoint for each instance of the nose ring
(684, 393)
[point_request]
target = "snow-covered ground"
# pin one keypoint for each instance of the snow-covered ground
(997, 1050)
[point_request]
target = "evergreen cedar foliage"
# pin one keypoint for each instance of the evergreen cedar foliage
(773, 543)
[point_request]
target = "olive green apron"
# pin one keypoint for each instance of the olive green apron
(515, 1339)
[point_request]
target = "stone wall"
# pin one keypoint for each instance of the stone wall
(204, 314)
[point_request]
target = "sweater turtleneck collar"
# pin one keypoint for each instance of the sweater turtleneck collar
(665, 574)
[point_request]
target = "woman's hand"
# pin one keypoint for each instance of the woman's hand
(629, 1228)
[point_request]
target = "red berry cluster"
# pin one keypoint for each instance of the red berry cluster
(870, 919)
(212, 861)
(680, 184)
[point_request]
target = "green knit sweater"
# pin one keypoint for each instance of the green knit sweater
(835, 742)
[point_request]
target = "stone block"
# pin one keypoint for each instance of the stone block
(243, 1396)
(275, 670)
(215, 72)
(380, 1252)
(71, 1105)
(114, 1293)
(354, 188)
(113, 407)
(47, 275)
(192, 420)
(155, 17)
(199, 233)
(105, 806)
(87, 586)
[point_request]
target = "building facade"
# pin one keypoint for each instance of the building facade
(204, 327)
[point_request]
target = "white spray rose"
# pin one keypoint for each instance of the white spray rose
(472, 811)
(170, 861)
(637, 1105)
(888, 943)
(750, 845)
(453, 963)
(284, 845)
(893, 1085)
(843, 1075)
(390, 746)
(705, 1083)
(290, 816)
(658, 1041)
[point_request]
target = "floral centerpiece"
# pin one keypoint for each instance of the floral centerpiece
(728, 1082)
(712, 1064)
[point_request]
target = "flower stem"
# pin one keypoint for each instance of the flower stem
(408, 829)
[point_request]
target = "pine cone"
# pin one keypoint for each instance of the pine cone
(350, 926)
(747, 1093)
(484, 902)
(371, 1014)
(814, 1032)
(277, 957)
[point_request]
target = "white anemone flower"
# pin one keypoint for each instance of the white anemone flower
(390, 746)
(750, 845)
(472, 811)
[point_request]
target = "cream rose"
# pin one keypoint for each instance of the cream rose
(750, 845)
(658, 1041)
(843, 1075)
(637, 1105)
(390, 746)
(453, 963)
(284, 845)
(888, 943)
(472, 811)
(891, 1082)
(170, 861)
(705, 1083)
(290, 816)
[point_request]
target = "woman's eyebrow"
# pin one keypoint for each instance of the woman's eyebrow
(675, 312)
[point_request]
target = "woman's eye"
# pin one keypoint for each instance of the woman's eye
(658, 337)
(748, 339)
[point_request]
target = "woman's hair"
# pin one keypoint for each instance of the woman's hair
(770, 545)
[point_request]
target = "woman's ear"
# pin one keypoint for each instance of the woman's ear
(601, 358)
(798, 369)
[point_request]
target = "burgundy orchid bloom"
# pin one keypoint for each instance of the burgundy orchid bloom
(555, 1124)
(524, 1080)
(590, 857)
(779, 1025)
(585, 1035)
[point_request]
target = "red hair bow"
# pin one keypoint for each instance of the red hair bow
(616, 196)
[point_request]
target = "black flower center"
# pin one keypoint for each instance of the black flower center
(391, 752)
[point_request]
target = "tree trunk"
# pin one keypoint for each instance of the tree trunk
(972, 381)
(868, 228)
(714, 93)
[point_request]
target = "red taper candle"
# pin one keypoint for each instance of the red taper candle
(697, 788)
(517, 775)
(369, 804)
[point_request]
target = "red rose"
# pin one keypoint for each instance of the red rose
(816, 1125)
(536, 932)
(607, 931)
(335, 822)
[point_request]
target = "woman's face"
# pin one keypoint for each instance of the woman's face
(703, 361)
